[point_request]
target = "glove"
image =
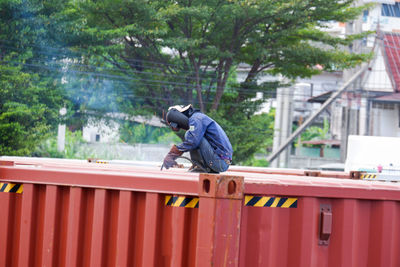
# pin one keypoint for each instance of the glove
(169, 160)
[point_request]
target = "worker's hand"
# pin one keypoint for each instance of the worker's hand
(169, 160)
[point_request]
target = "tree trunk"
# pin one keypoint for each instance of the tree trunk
(250, 77)
(223, 76)
(198, 83)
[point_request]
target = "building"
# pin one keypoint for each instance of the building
(371, 106)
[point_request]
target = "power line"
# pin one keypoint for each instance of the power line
(121, 79)
(128, 71)
(247, 89)
(129, 93)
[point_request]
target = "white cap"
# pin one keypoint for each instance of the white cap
(180, 108)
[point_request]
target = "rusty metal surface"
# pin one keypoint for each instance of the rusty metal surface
(70, 226)
(81, 214)
(361, 228)
(256, 183)
(363, 233)
(296, 172)
(139, 179)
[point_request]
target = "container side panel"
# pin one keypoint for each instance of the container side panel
(190, 238)
(205, 240)
(269, 245)
(245, 234)
(166, 235)
(25, 256)
(349, 242)
(381, 233)
(218, 230)
(227, 232)
(390, 232)
(303, 229)
(98, 226)
(150, 229)
(111, 226)
(123, 227)
(15, 224)
(279, 221)
(178, 236)
(395, 248)
(363, 233)
(178, 232)
(72, 228)
(360, 224)
(61, 232)
(137, 235)
(49, 224)
(255, 218)
(38, 221)
(86, 227)
(5, 227)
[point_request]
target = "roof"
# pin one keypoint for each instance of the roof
(320, 98)
(322, 142)
(392, 98)
(391, 44)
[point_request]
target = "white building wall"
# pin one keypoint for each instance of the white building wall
(378, 78)
(336, 120)
(385, 120)
(375, 19)
(101, 132)
(363, 121)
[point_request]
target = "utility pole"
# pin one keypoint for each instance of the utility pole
(299, 130)
(350, 112)
(283, 124)
(61, 132)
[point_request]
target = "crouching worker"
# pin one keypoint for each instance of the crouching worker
(207, 143)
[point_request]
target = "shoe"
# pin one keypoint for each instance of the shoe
(197, 169)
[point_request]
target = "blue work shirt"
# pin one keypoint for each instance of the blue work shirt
(200, 125)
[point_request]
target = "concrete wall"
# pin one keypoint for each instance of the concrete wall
(385, 120)
(302, 162)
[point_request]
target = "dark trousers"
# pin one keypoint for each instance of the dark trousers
(206, 155)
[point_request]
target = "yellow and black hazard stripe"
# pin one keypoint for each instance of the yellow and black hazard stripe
(368, 176)
(273, 202)
(182, 201)
(11, 188)
(102, 162)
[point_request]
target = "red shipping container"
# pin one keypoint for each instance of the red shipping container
(67, 213)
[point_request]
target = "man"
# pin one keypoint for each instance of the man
(206, 141)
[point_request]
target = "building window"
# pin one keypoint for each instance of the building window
(391, 10)
(386, 106)
(97, 137)
(365, 16)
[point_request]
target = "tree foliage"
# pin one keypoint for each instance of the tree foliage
(184, 51)
(134, 133)
(141, 56)
(29, 97)
(164, 53)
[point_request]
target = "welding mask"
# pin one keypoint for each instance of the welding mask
(176, 117)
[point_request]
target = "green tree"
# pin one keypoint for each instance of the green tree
(316, 133)
(163, 53)
(134, 133)
(184, 51)
(74, 147)
(30, 95)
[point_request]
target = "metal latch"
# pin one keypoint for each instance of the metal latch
(325, 226)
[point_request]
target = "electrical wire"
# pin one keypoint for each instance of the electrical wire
(125, 79)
